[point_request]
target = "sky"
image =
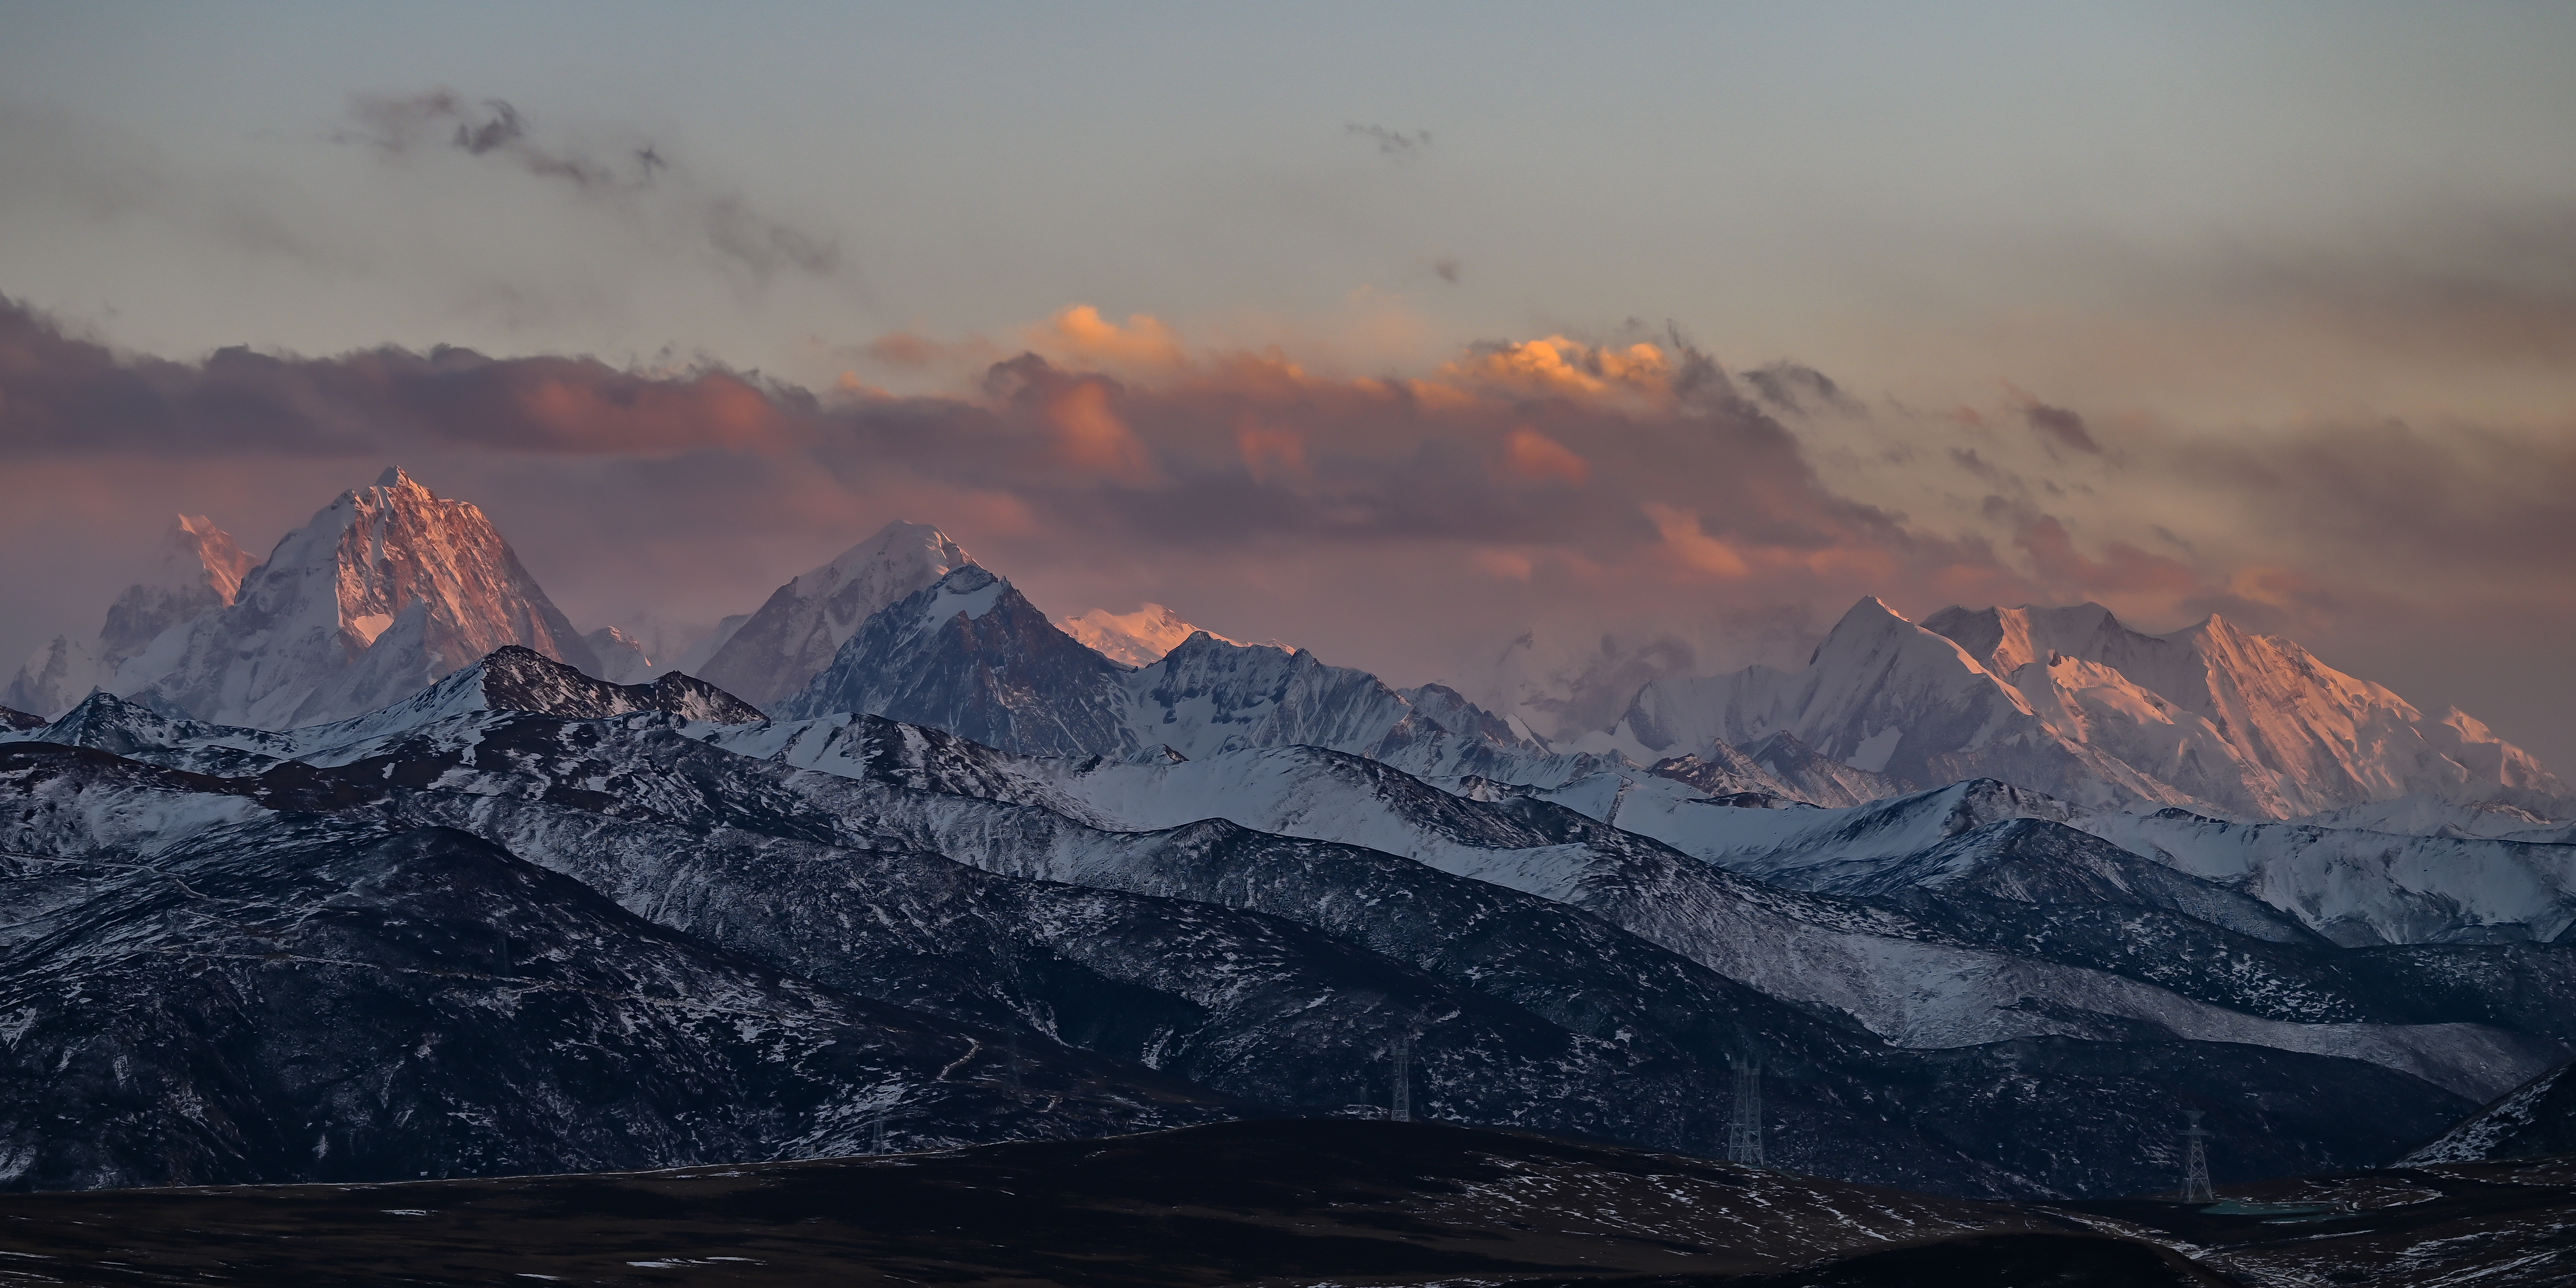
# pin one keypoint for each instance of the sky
(1392, 331)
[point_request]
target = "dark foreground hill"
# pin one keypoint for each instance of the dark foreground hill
(1281, 1202)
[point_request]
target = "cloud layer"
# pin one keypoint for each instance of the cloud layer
(1630, 496)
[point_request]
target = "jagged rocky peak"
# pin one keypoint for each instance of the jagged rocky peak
(514, 678)
(971, 655)
(12, 720)
(1729, 777)
(1136, 639)
(199, 568)
(2072, 702)
(795, 634)
(521, 679)
(622, 658)
(388, 589)
(2291, 734)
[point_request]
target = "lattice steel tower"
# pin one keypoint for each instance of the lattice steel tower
(876, 1141)
(2195, 1162)
(1401, 1108)
(1744, 1131)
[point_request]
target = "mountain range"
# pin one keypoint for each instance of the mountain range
(367, 864)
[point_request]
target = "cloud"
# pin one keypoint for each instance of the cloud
(635, 176)
(1799, 390)
(64, 396)
(1534, 457)
(1392, 143)
(2061, 426)
(1391, 519)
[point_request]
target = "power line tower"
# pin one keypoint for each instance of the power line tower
(1401, 1107)
(876, 1131)
(2195, 1162)
(1744, 1131)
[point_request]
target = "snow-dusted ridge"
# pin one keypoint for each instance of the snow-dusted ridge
(1906, 978)
(2070, 702)
(972, 655)
(779, 648)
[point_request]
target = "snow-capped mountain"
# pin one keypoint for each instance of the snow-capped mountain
(1140, 638)
(972, 655)
(2254, 724)
(2071, 703)
(200, 569)
(621, 658)
(512, 679)
(310, 987)
(387, 590)
(2354, 886)
(1886, 696)
(1273, 969)
(778, 649)
(2424, 814)
(1920, 976)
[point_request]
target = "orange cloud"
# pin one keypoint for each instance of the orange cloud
(1090, 435)
(1562, 366)
(1265, 450)
(714, 409)
(1531, 455)
(1688, 542)
(1082, 334)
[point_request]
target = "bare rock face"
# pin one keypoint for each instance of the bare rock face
(779, 649)
(387, 590)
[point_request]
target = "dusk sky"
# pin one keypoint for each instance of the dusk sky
(1387, 331)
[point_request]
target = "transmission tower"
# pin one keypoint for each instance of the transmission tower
(876, 1131)
(1401, 1108)
(1744, 1131)
(2195, 1162)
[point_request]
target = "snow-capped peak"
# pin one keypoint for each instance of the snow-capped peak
(194, 552)
(896, 554)
(970, 592)
(1140, 638)
(514, 678)
(389, 588)
(2255, 724)
(200, 568)
(794, 635)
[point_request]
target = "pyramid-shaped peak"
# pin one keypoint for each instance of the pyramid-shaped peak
(1870, 619)
(394, 477)
(895, 557)
(194, 552)
(1872, 608)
